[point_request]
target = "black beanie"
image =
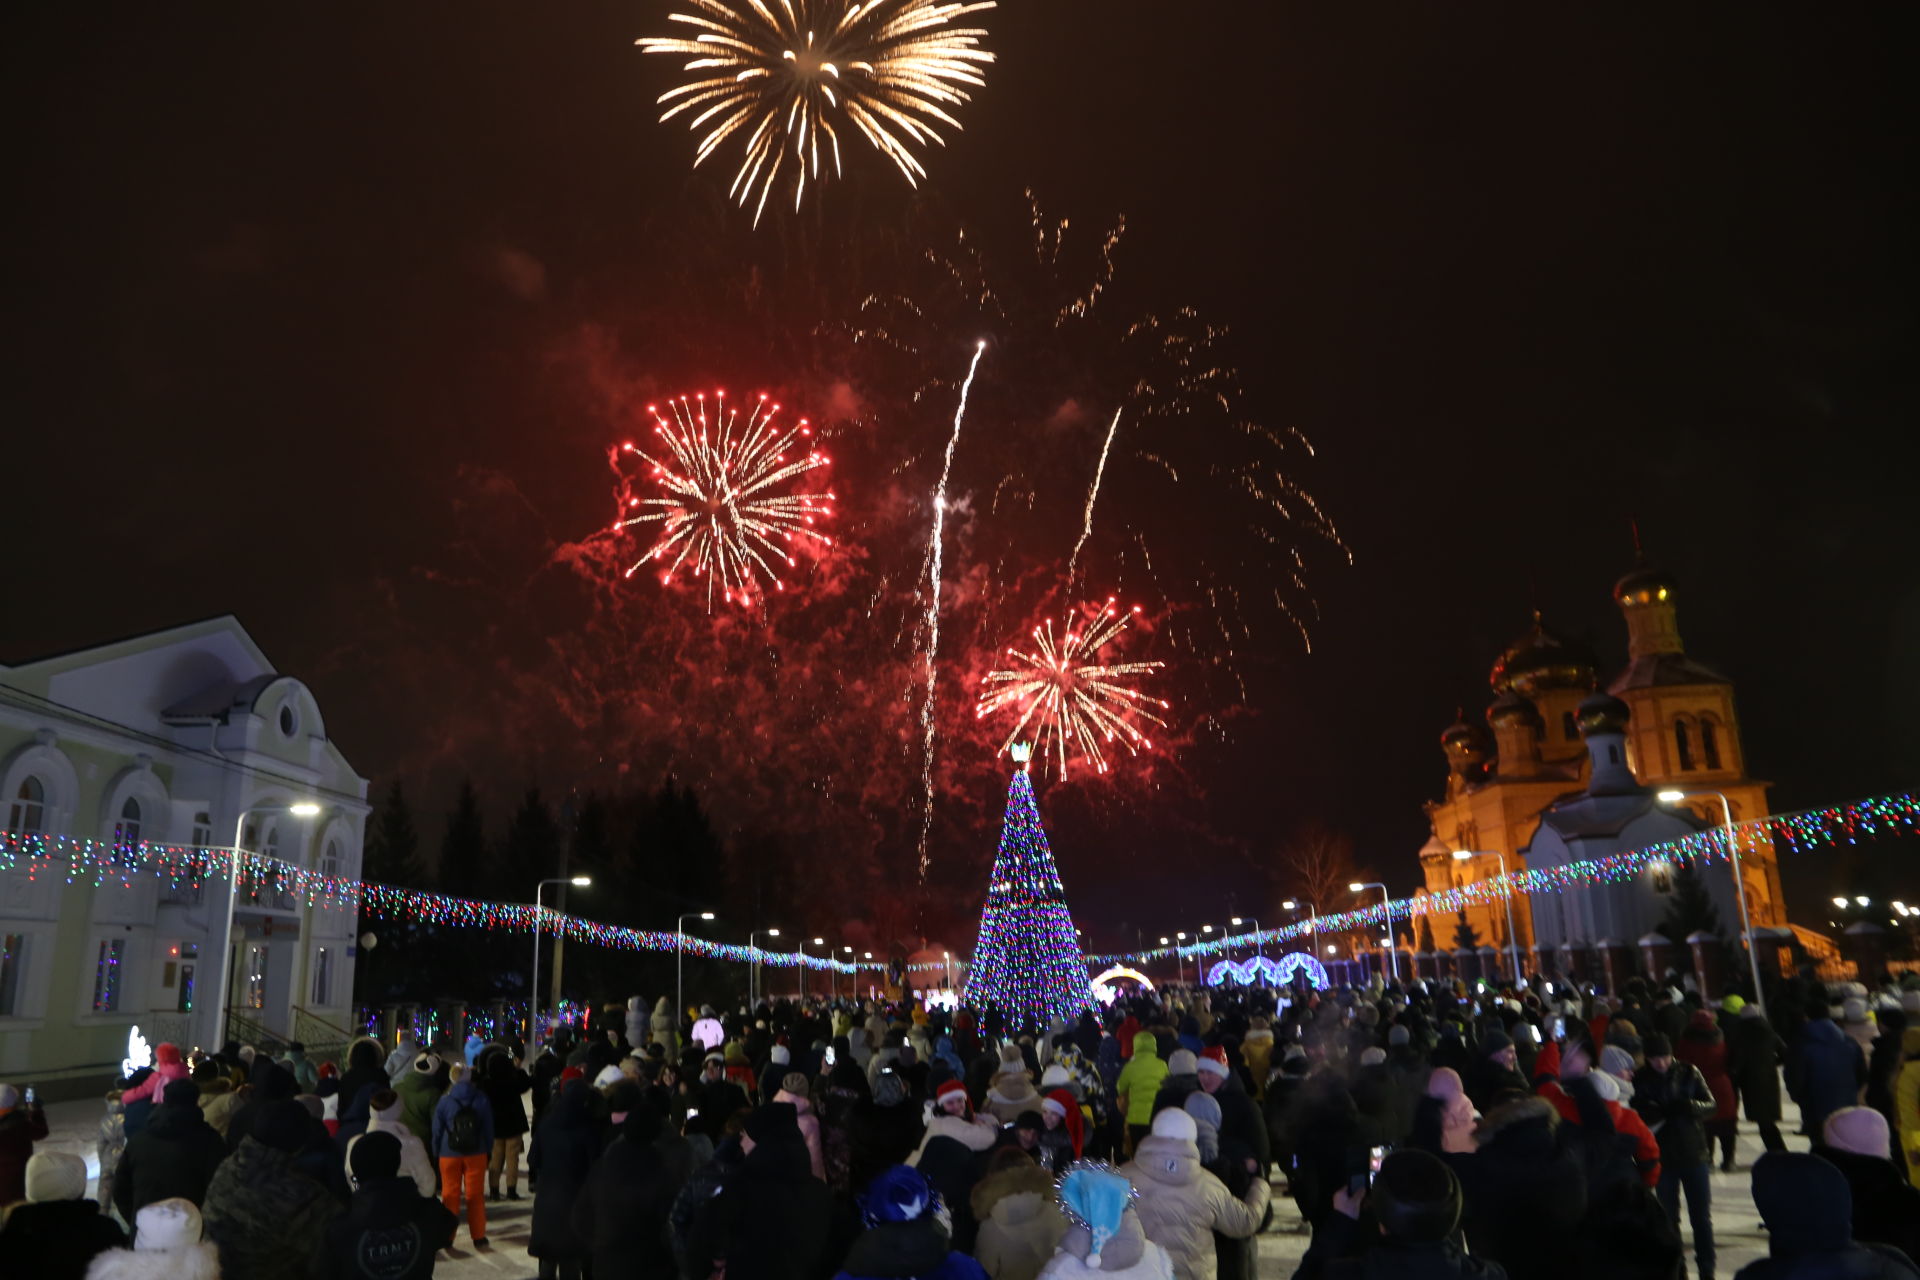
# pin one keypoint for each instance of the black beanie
(180, 1093)
(282, 1125)
(375, 1155)
(1416, 1197)
(1656, 1045)
(774, 1122)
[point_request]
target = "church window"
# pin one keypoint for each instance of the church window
(1662, 878)
(1613, 753)
(1710, 744)
(1683, 744)
(1569, 727)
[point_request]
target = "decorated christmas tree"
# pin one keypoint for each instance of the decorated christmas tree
(1027, 962)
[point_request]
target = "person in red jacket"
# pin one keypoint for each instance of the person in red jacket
(1576, 1062)
(1703, 1047)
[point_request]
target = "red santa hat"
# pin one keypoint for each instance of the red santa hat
(1069, 1110)
(947, 1089)
(1214, 1058)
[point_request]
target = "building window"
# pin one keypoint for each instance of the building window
(28, 812)
(1683, 745)
(126, 832)
(13, 958)
(256, 996)
(1710, 744)
(1569, 727)
(322, 977)
(1613, 753)
(202, 830)
(109, 965)
(289, 722)
(185, 1003)
(330, 860)
(1662, 878)
(185, 892)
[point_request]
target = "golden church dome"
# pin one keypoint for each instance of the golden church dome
(1541, 660)
(1645, 585)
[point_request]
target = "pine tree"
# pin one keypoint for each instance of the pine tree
(1465, 936)
(1027, 961)
(463, 849)
(1691, 910)
(1426, 934)
(393, 846)
(392, 857)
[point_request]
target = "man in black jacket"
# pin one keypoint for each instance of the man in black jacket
(1240, 1119)
(1674, 1099)
(391, 1231)
(175, 1155)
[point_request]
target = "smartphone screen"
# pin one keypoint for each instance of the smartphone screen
(1559, 1028)
(1374, 1158)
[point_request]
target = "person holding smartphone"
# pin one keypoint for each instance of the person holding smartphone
(22, 1123)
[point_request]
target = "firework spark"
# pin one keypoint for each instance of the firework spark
(1069, 699)
(790, 74)
(1093, 493)
(933, 603)
(723, 512)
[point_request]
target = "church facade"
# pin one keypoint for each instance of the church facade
(1562, 772)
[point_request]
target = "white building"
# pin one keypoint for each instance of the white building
(184, 737)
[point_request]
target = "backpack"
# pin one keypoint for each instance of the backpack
(464, 1134)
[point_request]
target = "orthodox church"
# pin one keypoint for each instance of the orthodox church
(1563, 772)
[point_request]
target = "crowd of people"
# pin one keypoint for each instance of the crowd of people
(1419, 1131)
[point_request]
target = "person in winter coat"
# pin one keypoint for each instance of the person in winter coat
(1183, 1078)
(167, 1245)
(881, 1131)
(1674, 1100)
(463, 1133)
(563, 1151)
(770, 1219)
(1703, 1047)
(21, 1125)
(1575, 1071)
(1018, 1221)
(1240, 1118)
(400, 1061)
(56, 1231)
(795, 1090)
(1181, 1204)
(172, 1158)
(621, 1211)
(903, 1235)
(167, 1067)
(1495, 1071)
(1754, 1051)
(266, 1217)
(1256, 1052)
(1011, 1090)
(1524, 1194)
(305, 1074)
(1106, 1240)
(1236, 1258)
(218, 1101)
(420, 1089)
(1825, 1069)
(1886, 1208)
(1064, 1139)
(1416, 1201)
(505, 1085)
(1453, 1110)
(638, 1023)
(953, 1117)
(391, 1231)
(1138, 1086)
(1808, 1212)
(1906, 1097)
(415, 1163)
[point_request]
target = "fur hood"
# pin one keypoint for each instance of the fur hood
(990, 1191)
(195, 1262)
(1511, 1115)
(1257, 1034)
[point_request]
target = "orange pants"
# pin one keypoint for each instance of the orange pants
(468, 1174)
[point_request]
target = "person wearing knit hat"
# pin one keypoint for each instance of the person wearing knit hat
(771, 1217)
(794, 1089)
(1807, 1208)
(168, 1244)
(1065, 1137)
(1181, 1204)
(1416, 1200)
(1206, 1125)
(266, 1216)
(1183, 1078)
(1675, 1101)
(1825, 1068)
(1242, 1121)
(952, 1117)
(388, 1218)
(1398, 1036)
(173, 1157)
(58, 1228)
(1886, 1208)
(1107, 1239)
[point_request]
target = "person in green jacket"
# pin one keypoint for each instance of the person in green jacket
(1139, 1081)
(419, 1091)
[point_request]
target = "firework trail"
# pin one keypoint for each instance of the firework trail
(788, 75)
(1093, 492)
(933, 604)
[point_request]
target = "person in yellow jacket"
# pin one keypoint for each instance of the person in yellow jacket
(1906, 1096)
(1139, 1081)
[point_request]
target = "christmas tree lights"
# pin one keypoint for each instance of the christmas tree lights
(1027, 961)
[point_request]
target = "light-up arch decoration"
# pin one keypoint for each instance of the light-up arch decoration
(1277, 973)
(1103, 988)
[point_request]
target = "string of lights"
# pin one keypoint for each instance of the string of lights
(77, 859)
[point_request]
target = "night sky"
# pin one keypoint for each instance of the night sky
(292, 289)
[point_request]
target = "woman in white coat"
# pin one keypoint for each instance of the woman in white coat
(1181, 1204)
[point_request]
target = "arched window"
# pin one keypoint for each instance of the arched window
(28, 812)
(126, 832)
(1683, 744)
(330, 860)
(202, 830)
(1710, 743)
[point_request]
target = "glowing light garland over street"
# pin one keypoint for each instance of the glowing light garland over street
(791, 74)
(722, 514)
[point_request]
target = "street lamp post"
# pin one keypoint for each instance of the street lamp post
(1506, 885)
(533, 1005)
(755, 985)
(1393, 952)
(1199, 973)
(802, 948)
(680, 960)
(1313, 917)
(852, 975)
(1179, 966)
(1255, 950)
(1673, 795)
(299, 809)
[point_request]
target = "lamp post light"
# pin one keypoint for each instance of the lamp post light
(1674, 795)
(1313, 918)
(1179, 966)
(680, 960)
(533, 1004)
(302, 809)
(853, 973)
(1506, 887)
(1393, 952)
(755, 985)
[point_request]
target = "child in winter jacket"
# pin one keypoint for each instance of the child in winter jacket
(167, 1245)
(1019, 1223)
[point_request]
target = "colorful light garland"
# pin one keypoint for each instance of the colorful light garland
(1277, 973)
